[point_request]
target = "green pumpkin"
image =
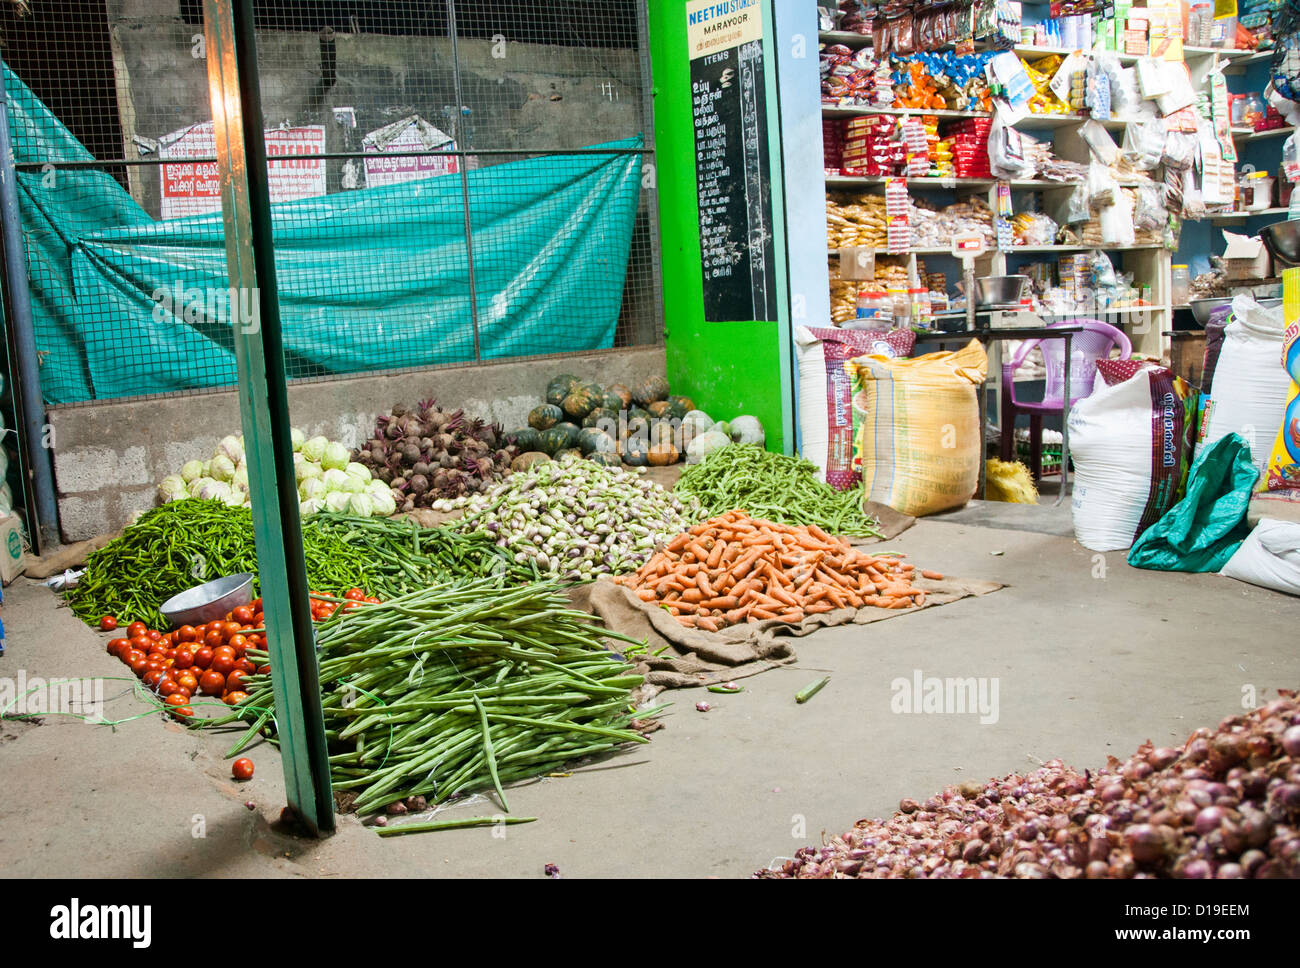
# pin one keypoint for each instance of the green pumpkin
(525, 438)
(580, 402)
(598, 415)
(612, 400)
(545, 417)
(605, 459)
(569, 452)
(638, 413)
(648, 391)
(622, 392)
(658, 409)
(525, 461)
(636, 456)
(680, 406)
(560, 387)
(662, 433)
(591, 441)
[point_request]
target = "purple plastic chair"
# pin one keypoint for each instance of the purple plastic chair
(1089, 346)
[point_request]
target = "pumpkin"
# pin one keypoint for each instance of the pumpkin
(636, 455)
(581, 401)
(599, 415)
(610, 400)
(591, 441)
(525, 438)
(545, 417)
(638, 412)
(622, 392)
(605, 459)
(525, 461)
(650, 390)
(662, 455)
(560, 437)
(659, 408)
(569, 452)
(679, 407)
(662, 432)
(560, 387)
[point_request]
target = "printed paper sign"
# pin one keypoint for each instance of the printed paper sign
(194, 188)
(409, 134)
(714, 25)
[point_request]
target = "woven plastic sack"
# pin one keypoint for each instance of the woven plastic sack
(916, 428)
(1269, 557)
(1203, 530)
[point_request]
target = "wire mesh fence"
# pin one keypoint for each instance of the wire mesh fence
(452, 181)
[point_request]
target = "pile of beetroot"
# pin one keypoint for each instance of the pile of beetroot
(1224, 805)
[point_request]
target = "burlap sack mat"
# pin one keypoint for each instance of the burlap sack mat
(678, 657)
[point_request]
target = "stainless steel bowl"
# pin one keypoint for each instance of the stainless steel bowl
(1000, 290)
(211, 600)
(1282, 239)
(1203, 308)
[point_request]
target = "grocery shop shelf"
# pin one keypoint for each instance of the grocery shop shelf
(1249, 134)
(854, 111)
(848, 38)
(1242, 216)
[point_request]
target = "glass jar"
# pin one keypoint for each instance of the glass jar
(1180, 285)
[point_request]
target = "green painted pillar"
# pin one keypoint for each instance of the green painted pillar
(264, 408)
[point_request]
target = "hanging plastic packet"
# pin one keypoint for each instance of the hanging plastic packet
(1291, 171)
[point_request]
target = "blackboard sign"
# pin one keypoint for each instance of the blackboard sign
(732, 176)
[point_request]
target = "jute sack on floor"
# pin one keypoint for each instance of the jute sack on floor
(678, 657)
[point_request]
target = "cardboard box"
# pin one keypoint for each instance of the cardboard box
(1245, 258)
(12, 554)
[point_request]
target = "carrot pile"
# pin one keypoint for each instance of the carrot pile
(734, 568)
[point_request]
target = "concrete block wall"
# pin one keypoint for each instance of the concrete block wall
(109, 457)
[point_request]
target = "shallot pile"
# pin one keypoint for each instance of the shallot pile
(430, 453)
(1224, 805)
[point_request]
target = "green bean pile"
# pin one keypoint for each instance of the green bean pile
(401, 556)
(745, 477)
(457, 688)
(184, 543)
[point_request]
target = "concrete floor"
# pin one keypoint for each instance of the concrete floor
(1092, 657)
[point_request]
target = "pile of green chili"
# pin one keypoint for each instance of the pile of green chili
(459, 688)
(787, 490)
(185, 543)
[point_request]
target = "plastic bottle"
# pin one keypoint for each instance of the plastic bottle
(1180, 285)
(872, 304)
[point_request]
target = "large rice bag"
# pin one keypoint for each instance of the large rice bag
(1250, 384)
(1270, 556)
(1283, 469)
(1131, 443)
(826, 393)
(917, 441)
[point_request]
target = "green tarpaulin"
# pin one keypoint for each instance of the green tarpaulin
(368, 280)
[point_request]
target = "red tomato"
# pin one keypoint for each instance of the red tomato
(183, 712)
(354, 594)
(152, 677)
(154, 634)
(242, 768)
(184, 658)
(211, 683)
(153, 665)
(245, 665)
(175, 699)
(372, 601)
(213, 639)
(263, 670)
(256, 640)
(167, 686)
(243, 615)
(136, 628)
(186, 633)
(222, 661)
(255, 605)
(118, 646)
(188, 681)
(141, 643)
(136, 661)
(234, 698)
(203, 657)
(107, 623)
(235, 679)
(259, 620)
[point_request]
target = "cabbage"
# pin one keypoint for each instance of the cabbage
(214, 491)
(336, 456)
(334, 480)
(235, 498)
(173, 488)
(314, 449)
(361, 505)
(240, 478)
(312, 487)
(223, 469)
(704, 445)
(311, 506)
(360, 471)
(231, 447)
(197, 485)
(298, 437)
(306, 471)
(352, 485)
(747, 430)
(192, 471)
(385, 504)
(337, 501)
(375, 488)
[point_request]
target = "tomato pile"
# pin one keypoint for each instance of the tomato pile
(208, 660)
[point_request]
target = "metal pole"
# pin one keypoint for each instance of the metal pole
(264, 408)
(46, 523)
(464, 174)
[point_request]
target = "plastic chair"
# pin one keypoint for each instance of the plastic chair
(1089, 346)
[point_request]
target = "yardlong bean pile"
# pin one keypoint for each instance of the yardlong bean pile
(745, 477)
(183, 543)
(401, 556)
(459, 688)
